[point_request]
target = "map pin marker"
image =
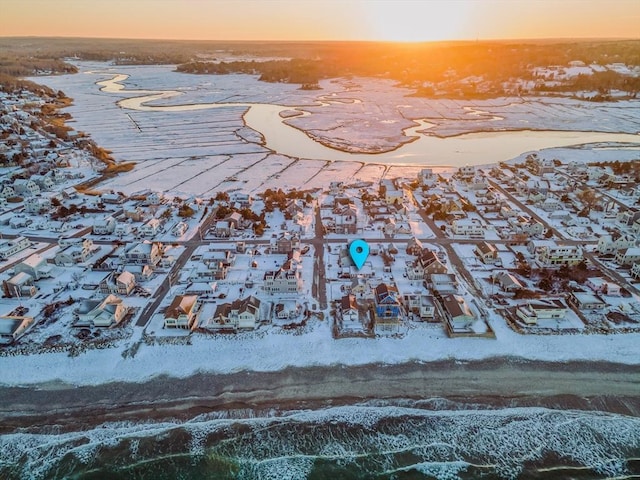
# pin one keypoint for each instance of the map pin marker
(359, 251)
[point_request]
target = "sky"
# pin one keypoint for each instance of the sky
(387, 20)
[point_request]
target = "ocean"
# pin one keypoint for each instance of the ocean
(430, 439)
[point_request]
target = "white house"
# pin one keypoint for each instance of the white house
(75, 253)
(182, 312)
(470, 227)
(284, 280)
(610, 244)
(558, 255)
(13, 246)
(104, 225)
(25, 187)
(150, 228)
(531, 312)
(628, 256)
(487, 253)
(457, 312)
(121, 284)
(238, 315)
(34, 265)
(12, 327)
(601, 286)
(101, 313)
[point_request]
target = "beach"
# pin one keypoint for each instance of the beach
(495, 382)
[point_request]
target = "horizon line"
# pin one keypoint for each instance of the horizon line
(414, 42)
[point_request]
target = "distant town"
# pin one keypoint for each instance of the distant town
(549, 247)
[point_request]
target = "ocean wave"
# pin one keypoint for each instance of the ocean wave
(372, 441)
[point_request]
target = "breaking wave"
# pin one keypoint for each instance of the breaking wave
(360, 441)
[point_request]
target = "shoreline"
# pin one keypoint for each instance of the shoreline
(495, 383)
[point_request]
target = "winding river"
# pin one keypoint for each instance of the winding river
(466, 149)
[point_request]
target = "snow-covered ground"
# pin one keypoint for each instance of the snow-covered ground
(198, 151)
(275, 349)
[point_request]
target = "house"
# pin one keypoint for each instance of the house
(287, 311)
(628, 256)
(557, 255)
(25, 188)
(150, 228)
(427, 264)
(37, 204)
(443, 283)
(121, 284)
(154, 198)
(336, 188)
(209, 271)
(141, 273)
(470, 227)
(20, 285)
(101, 313)
(387, 310)
(112, 198)
(143, 253)
(75, 253)
(7, 191)
(18, 221)
(635, 271)
(182, 312)
(550, 204)
(348, 313)
(533, 311)
(628, 217)
(179, 229)
(539, 166)
(13, 246)
(239, 315)
(350, 319)
(285, 280)
(487, 253)
(34, 265)
(69, 193)
(466, 172)
(426, 177)
(600, 286)
(346, 220)
(223, 229)
(122, 229)
(586, 301)
(135, 214)
(457, 312)
(104, 225)
(421, 305)
(508, 283)
(414, 247)
(243, 200)
(43, 182)
(286, 242)
(611, 243)
(13, 327)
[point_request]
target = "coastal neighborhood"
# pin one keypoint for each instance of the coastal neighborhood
(541, 245)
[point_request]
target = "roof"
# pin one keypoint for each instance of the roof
(485, 248)
(384, 291)
(21, 278)
(348, 302)
(33, 261)
(181, 305)
(456, 306)
(126, 277)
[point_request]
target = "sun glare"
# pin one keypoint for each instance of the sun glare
(417, 21)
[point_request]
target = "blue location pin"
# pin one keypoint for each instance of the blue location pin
(359, 251)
